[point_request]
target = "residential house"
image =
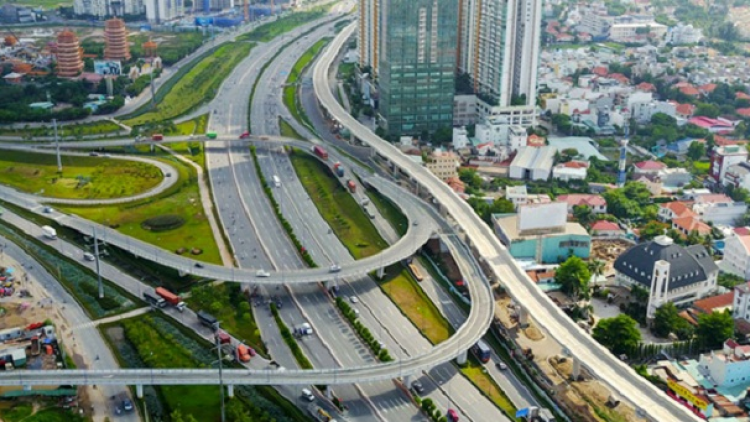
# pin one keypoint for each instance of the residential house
(443, 164)
(596, 203)
(728, 367)
(738, 175)
(571, 170)
(648, 167)
(736, 258)
(606, 229)
(723, 157)
(719, 209)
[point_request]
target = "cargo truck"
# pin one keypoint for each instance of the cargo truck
(243, 355)
(223, 338)
(351, 185)
(207, 319)
(211, 135)
(49, 232)
(157, 137)
(320, 152)
(171, 298)
(154, 300)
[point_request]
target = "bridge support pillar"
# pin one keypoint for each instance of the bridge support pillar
(576, 373)
(332, 284)
(329, 392)
(381, 272)
(407, 381)
(139, 391)
(230, 390)
(523, 316)
(461, 358)
(153, 147)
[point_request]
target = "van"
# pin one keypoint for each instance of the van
(307, 395)
(88, 256)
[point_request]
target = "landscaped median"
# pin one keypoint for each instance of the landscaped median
(67, 129)
(290, 341)
(363, 332)
(274, 28)
(198, 86)
(290, 89)
(277, 209)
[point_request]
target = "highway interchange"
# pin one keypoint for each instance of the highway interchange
(250, 223)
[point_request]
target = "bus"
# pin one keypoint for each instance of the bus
(482, 351)
(415, 272)
(276, 181)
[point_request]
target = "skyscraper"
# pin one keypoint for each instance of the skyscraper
(499, 48)
(411, 47)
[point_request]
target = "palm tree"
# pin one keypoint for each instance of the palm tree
(596, 267)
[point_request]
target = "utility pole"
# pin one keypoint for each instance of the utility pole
(221, 378)
(98, 271)
(57, 147)
(153, 90)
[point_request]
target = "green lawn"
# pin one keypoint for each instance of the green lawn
(199, 85)
(15, 412)
(477, 374)
(196, 126)
(46, 4)
(82, 177)
(191, 150)
(102, 127)
(228, 303)
(389, 210)
(405, 292)
(290, 90)
(279, 26)
(338, 207)
(19, 412)
(287, 130)
(182, 199)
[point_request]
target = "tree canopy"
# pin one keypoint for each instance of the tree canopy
(619, 334)
(714, 329)
(573, 275)
(667, 320)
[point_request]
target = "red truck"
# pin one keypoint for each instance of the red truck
(245, 135)
(320, 152)
(157, 137)
(171, 298)
(352, 187)
(243, 355)
(339, 169)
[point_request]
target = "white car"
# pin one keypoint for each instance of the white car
(335, 268)
(308, 395)
(354, 299)
(88, 256)
(262, 273)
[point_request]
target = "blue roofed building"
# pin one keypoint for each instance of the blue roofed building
(541, 232)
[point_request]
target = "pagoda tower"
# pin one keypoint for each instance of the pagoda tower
(69, 55)
(116, 45)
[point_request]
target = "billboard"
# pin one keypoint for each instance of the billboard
(107, 67)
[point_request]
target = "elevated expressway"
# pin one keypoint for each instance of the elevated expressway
(620, 378)
(468, 334)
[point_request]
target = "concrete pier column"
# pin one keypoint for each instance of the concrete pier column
(576, 369)
(230, 390)
(523, 316)
(407, 381)
(329, 392)
(139, 391)
(381, 272)
(461, 358)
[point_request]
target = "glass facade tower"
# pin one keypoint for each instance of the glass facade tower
(416, 64)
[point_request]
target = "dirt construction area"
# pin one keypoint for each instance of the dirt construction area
(586, 398)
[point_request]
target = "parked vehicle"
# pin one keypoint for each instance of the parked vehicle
(157, 137)
(223, 338)
(320, 152)
(307, 395)
(154, 300)
(207, 319)
(211, 135)
(49, 232)
(351, 185)
(242, 353)
(245, 135)
(171, 298)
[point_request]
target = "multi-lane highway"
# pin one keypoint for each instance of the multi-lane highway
(618, 376)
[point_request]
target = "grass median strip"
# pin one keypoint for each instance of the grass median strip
(280, 26)
(199, 85)
(338, 207)
(290, 89)
(389, 210)
(290, 341)
(64, 130)
(363, 332)
(285, 129)
(193, 238)
(81, 178)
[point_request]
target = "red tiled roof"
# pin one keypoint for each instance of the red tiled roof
(690, 224)
(650, 165)
(707, 88)
(645, 86)
(743, 112)
(721, 141)
(582, 199)
(685, 109)
(713, 198)
(742, 231)
(689, 90)
(708, 304)
(576, 164)
(535, 141)
(604, 225)
(741, 96)
(679, 209)
(600, 71)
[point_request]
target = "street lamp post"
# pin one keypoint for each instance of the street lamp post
(221, 377)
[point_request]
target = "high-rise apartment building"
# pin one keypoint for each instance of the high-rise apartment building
(163, 10)
(499, 48)
(105, 8)
(411, 47)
